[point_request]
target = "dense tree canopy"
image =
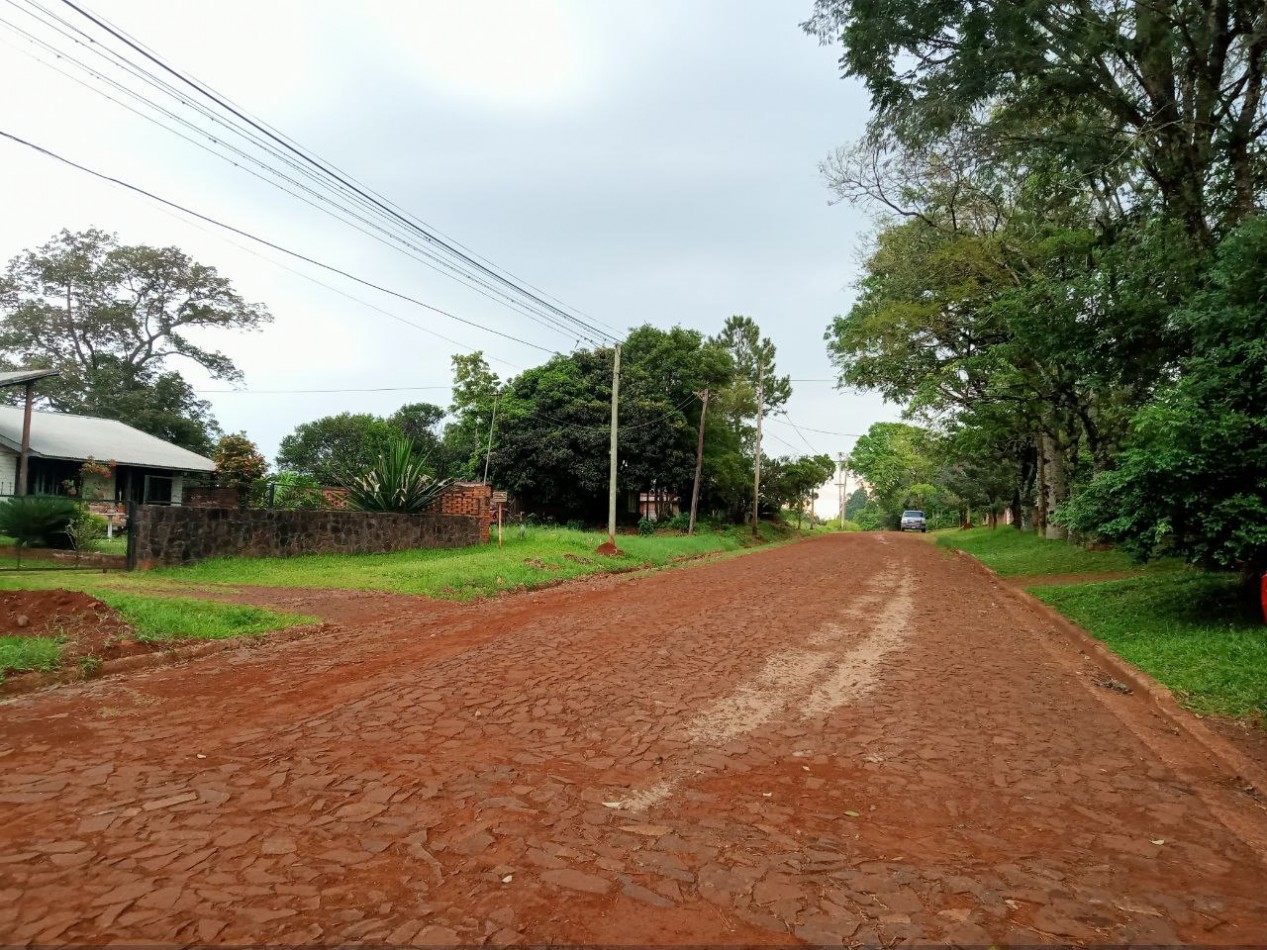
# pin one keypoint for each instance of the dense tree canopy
(1063, 287)
(333, 448)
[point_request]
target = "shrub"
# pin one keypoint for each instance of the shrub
(398, 481)
(293, 490)
(86, 530)
(37, 520)
(646, 526)
(576, 524)
(238, 463)
(679, 522)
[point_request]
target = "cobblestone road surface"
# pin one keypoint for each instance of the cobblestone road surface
(845, 741)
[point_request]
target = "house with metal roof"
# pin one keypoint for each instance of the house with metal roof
(123, 464)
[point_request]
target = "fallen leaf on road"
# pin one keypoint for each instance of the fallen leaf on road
(851, 814)
(1159, 841)
(508, 878)
(613, 804)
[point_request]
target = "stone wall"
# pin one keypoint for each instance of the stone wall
(161, 534)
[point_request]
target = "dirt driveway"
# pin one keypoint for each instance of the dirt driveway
(850, 740)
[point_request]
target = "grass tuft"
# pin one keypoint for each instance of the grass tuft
(19, 654)
(157, 619)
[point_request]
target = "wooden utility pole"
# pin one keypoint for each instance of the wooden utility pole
(25, 457)
(699, 462)
(756, 481)
(611, 480)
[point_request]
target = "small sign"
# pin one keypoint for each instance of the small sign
(501, 497)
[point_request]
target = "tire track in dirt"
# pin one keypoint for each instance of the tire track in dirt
(792, 682)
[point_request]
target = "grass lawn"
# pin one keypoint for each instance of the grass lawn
(544, 555)
(1196, 633)
(1011, 553)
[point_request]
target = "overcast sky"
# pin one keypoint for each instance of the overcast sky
(652, 162)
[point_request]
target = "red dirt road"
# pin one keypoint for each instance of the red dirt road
(849, 740)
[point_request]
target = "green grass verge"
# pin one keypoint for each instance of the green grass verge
(1010, 553)
(157, 619)
(543, 556)
(18, 654)
(1196, 633)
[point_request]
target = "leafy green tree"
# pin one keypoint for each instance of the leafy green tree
(111, 319)
(899, 462)
(475, 393)
(1192, 478)
(792, 482)
(1169, 96)
(552, 435)
(855, 503)
(327, 447)
(663, 375)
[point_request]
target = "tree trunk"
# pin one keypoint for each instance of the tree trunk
(1055, 488)
(1040, 488)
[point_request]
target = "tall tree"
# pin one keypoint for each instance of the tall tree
(1175, 90)
(757, 389)
(475, 392)
(113, 319)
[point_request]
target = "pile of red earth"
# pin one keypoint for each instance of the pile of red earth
(87, 626)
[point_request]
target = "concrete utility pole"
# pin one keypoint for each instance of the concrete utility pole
(25, 457)
(611, 481)
(699, 462)
(843, 484)
(492, 422)
(756, 482)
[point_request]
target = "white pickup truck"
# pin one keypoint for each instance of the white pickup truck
(914, 521)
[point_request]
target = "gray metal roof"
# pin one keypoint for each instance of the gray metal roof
(59, 435)
(18, 376)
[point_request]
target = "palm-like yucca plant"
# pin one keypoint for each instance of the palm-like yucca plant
(398, 481)
(35, 520)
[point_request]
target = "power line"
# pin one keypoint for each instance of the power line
(318, 201)
(799, 432)
(329, 172)
(845, 435)
(330, 287)
(276, 247)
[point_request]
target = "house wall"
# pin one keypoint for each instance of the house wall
(161, 534)
(8, 470)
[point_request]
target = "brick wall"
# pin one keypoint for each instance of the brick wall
(467, 498)
(206, 497)
(163, 534)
